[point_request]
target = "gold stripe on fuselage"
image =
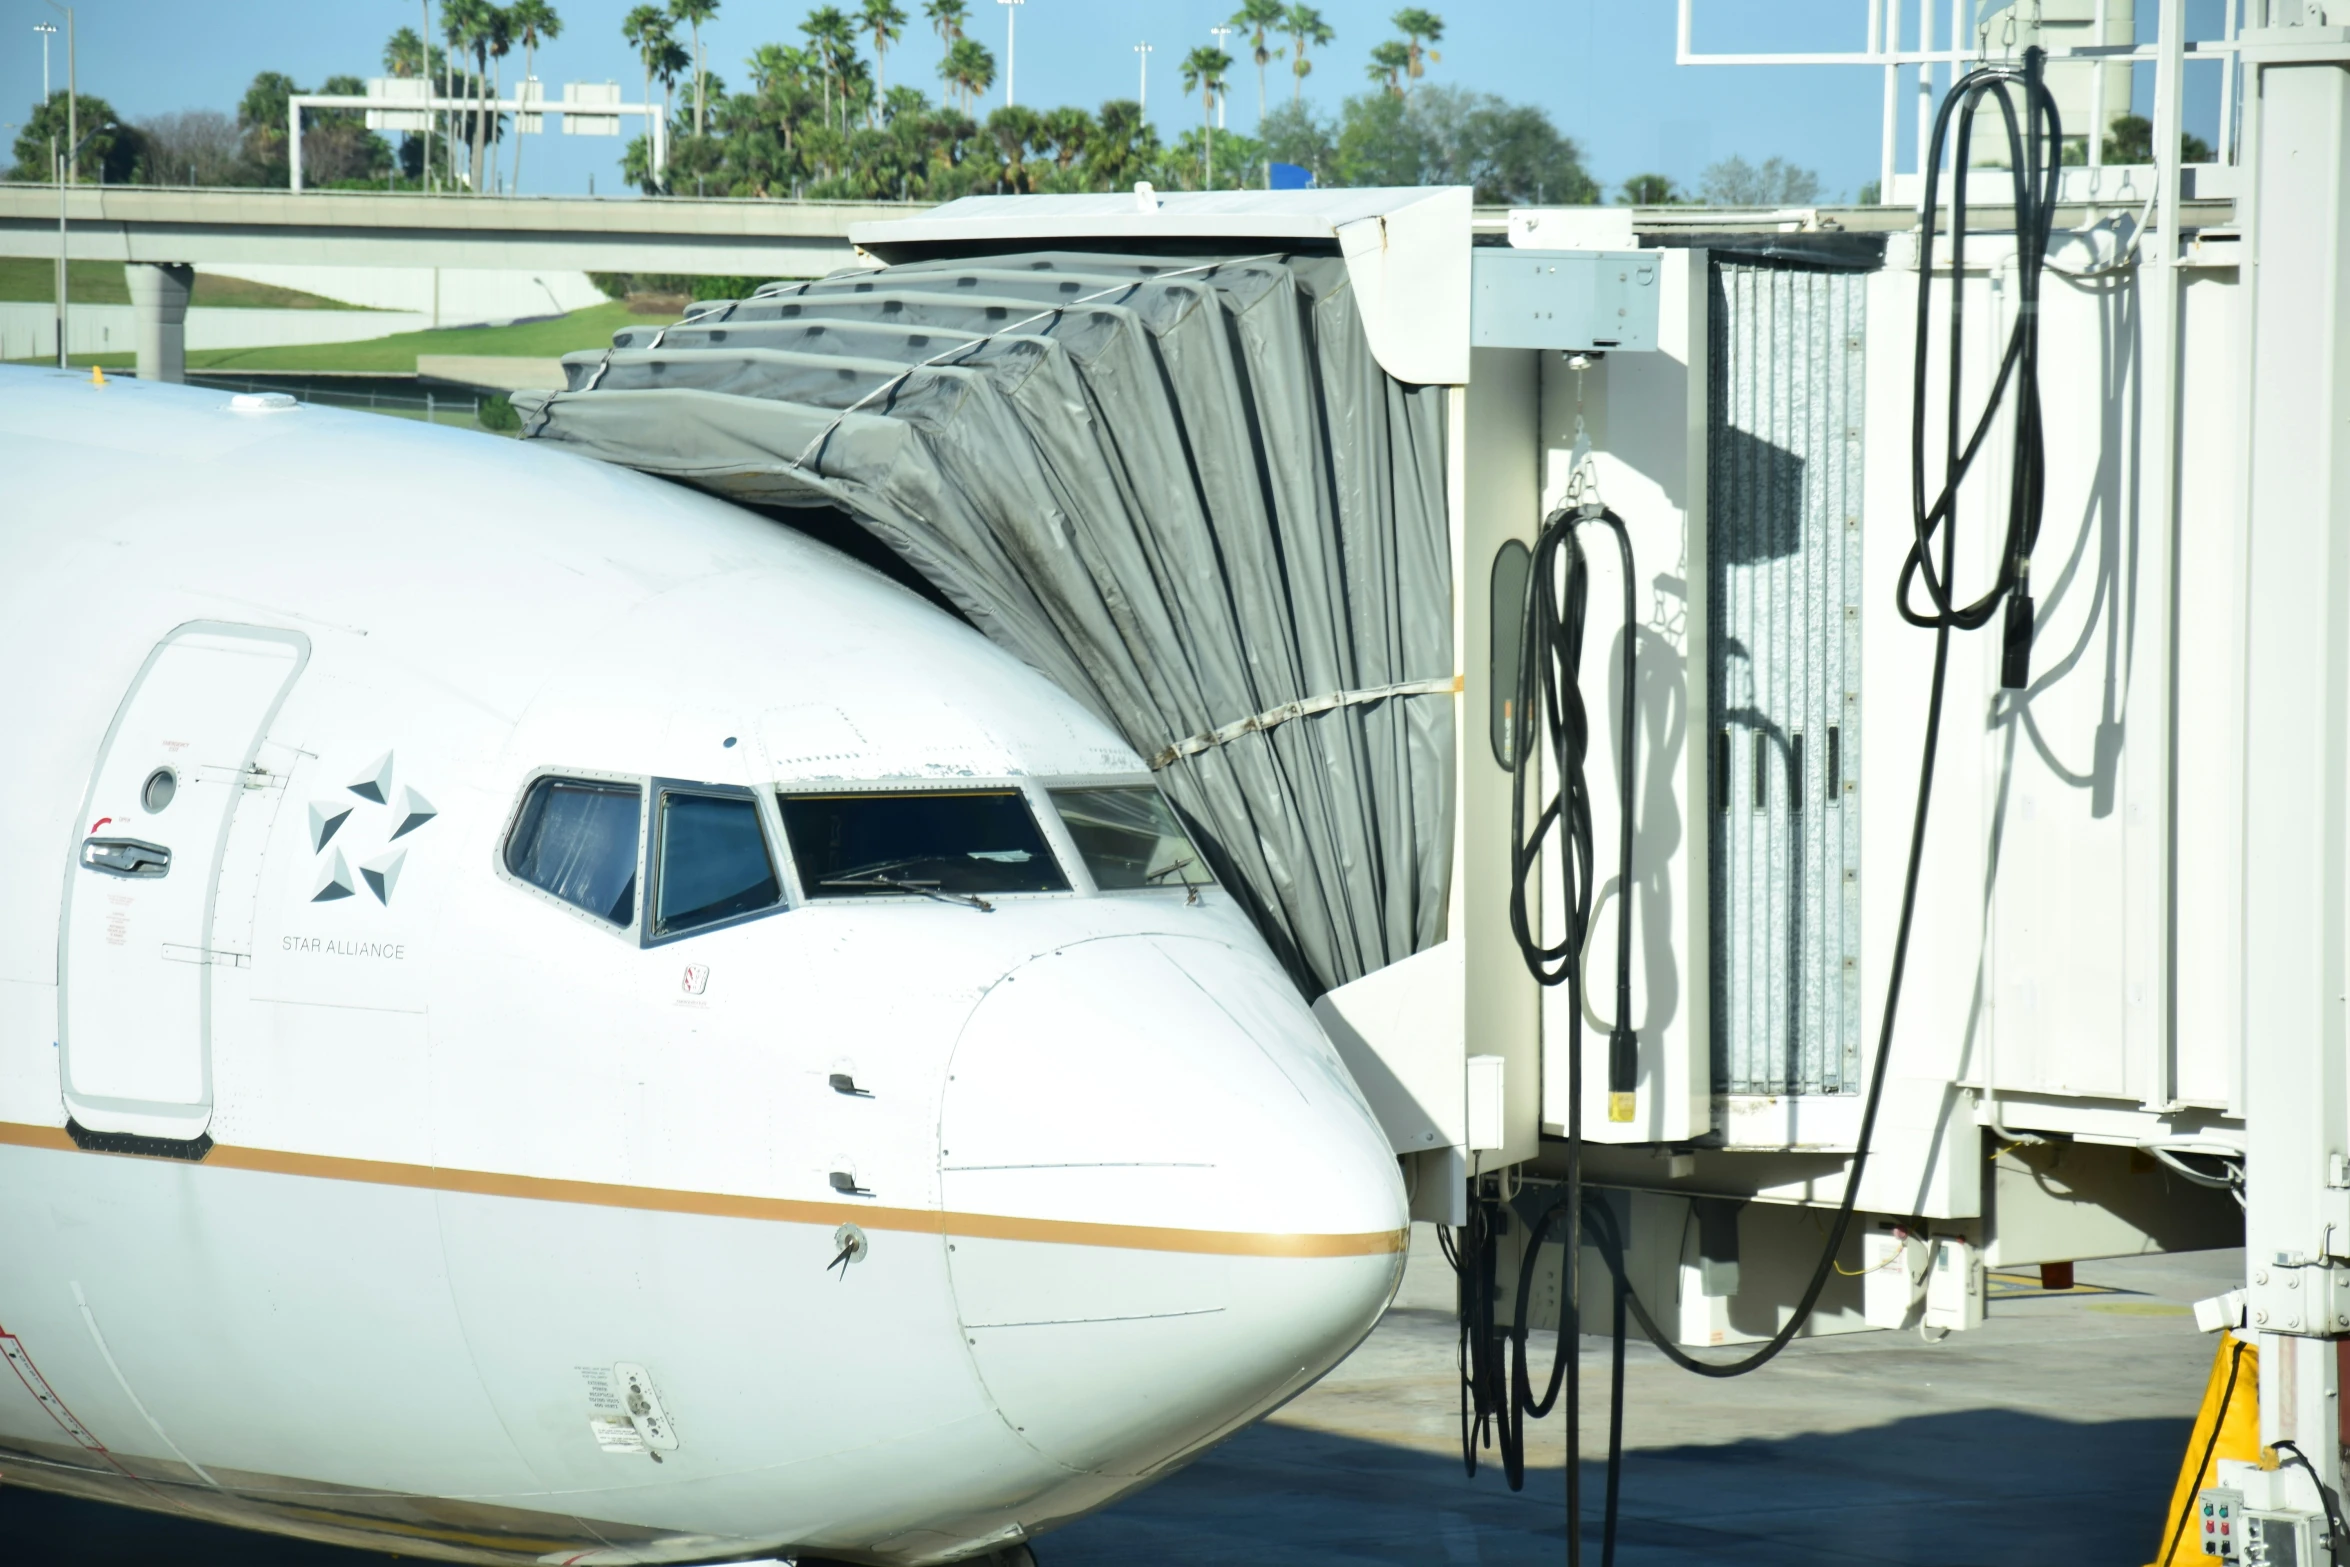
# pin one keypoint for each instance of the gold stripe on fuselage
(726, 1205)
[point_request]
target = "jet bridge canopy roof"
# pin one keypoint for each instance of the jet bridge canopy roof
(1406, 248)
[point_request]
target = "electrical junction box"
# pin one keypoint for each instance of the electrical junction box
(1893, 1278)
(1954, 1286)
(2267, 1517)
(2219, 1522)
(2284, 1539)
(1576, 300)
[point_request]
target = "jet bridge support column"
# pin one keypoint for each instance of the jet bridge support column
(2296, 829)
(159, 303)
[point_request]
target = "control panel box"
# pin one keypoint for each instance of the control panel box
(1574, 300)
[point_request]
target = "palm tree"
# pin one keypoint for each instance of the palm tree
(946, 19)
(1415, 25)
(1070, 131)
(1203, 72)
(968, 69)
(1388, 63)
(1260, 19)
(648, 30)
(534, 22)
(460, 21)
(670, 64)
(404, 53)
(829, 33)
(1306, 29)
(887, 24)
(500, 43)
(694, 13)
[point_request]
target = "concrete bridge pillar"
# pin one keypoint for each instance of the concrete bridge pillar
(159, 302)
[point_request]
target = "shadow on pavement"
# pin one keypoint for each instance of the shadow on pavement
(1942, 1490)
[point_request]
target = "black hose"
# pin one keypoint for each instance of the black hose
(1495, 1404)
(2032, 152)
(1551, 661)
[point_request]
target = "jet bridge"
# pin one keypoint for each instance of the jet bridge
(1259, 476)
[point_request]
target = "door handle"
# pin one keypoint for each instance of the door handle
(126, 857)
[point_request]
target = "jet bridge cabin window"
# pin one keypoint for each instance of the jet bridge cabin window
(962, 843)
(576, 838)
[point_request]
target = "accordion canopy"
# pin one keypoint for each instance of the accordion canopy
(1181, 487)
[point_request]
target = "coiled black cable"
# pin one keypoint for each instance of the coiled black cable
(1496, 1401)
(1552, 658)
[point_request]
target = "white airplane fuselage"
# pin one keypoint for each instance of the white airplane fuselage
(359, 1179)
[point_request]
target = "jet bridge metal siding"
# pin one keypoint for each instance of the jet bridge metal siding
(1783, 496)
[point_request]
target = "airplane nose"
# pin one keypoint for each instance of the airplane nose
(1168, 1207)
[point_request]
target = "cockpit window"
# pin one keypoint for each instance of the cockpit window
(578, 840)
(712, 862)
(1129, 838)
(961, 843)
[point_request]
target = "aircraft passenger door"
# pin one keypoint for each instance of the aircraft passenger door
(136, 956)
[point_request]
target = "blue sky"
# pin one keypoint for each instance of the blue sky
(1602, 68)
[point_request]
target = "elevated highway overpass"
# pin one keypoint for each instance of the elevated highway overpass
(159, 233)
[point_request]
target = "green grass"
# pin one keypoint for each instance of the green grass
(102, 283)
(396, 355)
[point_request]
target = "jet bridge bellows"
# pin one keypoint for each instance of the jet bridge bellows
(1183, 488)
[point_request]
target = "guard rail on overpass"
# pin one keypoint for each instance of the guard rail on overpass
(161, 233)
(200, 226)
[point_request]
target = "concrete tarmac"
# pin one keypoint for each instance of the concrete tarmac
(2050, 1435)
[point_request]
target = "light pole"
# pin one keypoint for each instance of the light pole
(62, 165)
(73, 132)
(47, 30)
(1011, 57)
(1221, 34)
(1143, 53)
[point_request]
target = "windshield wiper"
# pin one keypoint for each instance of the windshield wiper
(921, 889)
(1190, 887)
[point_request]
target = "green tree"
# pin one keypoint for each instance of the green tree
(1212, 160)
(1648, 190)
(534, 22)
(1123, 148)
(694, 13)
(1260, 19)
(1734, 182)
(646, 30)
(1203, 73)
(261, 119)
(112, 152)
(1389, 62)
(968, 69)
(1014, 131)
(2130, 140)
(832, 36)
(468, 26)
(1294, 133)
(404, 53)
(887, 24)
(946, 19)
(1416, 24)
(1306, 30)
(1509, 153)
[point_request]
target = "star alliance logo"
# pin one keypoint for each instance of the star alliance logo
(408, 810)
